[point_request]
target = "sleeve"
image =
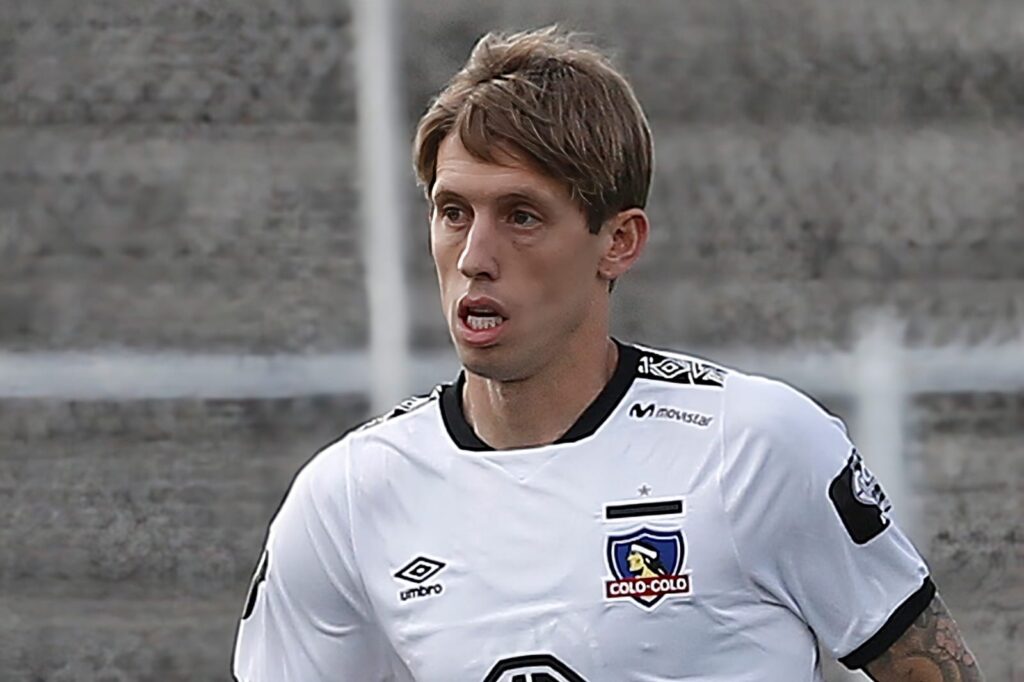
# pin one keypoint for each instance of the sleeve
(812, 527)
(307, 617)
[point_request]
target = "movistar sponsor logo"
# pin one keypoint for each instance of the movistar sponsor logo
(641, 411)
(655, 411)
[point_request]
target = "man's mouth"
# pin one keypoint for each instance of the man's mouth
(482, 319)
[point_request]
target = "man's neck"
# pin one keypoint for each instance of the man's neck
(540, 409)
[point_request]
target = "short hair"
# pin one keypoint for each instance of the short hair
(551, 99)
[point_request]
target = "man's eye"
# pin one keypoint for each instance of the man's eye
(452, 214)
(524, 219)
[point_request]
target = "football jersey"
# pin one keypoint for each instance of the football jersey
(695, 523)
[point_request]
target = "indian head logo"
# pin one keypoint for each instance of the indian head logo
(647, 565)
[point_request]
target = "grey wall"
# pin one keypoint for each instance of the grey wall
(179, 176)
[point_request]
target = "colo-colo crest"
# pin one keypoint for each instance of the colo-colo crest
(647, 566)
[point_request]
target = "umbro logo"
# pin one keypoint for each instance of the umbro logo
(418, 571)
(680, 371)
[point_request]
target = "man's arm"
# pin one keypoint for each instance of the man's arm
(931, 650)
(307, 618)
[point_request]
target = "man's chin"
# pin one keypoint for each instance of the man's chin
(480, 361)
(488, 362)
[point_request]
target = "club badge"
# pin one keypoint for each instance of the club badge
(647, 566)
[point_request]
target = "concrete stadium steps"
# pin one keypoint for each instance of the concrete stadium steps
(974, 547)
(966, 467)
(965, 460)
(766, 313)
(991, 635)
(131, 62)
(118, 639)
(131, 12)
(272, 61)
(191, 238)
(988, 425)
(820, 202)
(149, 499)
(810, 60)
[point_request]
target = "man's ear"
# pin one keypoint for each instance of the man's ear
(623, 237)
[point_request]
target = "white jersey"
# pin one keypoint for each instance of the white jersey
(696, 523)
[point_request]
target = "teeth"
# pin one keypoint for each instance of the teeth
(483, 322)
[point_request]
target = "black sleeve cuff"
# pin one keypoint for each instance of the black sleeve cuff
(898, 623)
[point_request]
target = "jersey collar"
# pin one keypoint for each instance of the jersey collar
(596, 413)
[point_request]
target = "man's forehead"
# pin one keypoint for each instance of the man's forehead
(503, 154)
(459, 171)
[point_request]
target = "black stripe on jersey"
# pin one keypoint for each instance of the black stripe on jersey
(689, 371)
(515, 663)
(630, 510)
(462, 433)
(899, 622)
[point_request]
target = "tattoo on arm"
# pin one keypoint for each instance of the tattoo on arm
(931, 650)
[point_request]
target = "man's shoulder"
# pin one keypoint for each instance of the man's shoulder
(391, 425)
(388, 431)
(749, 400)
(412, 407)
(769, 421)
(758, 403)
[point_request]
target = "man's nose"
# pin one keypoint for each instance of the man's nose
(479, 257)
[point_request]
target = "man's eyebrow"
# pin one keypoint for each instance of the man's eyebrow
(524, 195)
(439, 195)
(516, 194)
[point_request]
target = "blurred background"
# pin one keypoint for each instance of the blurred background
(213, 261)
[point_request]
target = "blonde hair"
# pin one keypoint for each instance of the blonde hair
(556, 102)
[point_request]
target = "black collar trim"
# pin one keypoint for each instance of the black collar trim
(597, 412)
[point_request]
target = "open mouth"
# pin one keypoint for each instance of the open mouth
(481, 319)
(478, 319)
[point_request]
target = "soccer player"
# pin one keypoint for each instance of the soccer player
(573, 507)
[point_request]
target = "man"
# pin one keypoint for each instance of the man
(493, 529)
